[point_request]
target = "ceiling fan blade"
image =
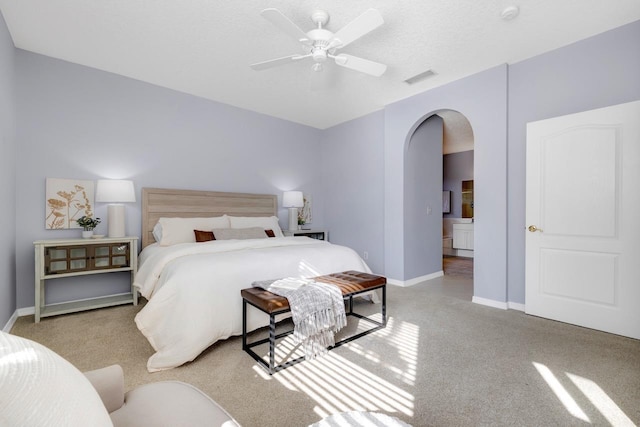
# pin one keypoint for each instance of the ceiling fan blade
(259, 66)
(285, 24)
(368, 21)
(358, 64)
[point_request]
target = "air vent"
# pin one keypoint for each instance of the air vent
(420, 77)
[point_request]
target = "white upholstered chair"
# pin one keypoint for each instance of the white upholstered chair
(40, 388)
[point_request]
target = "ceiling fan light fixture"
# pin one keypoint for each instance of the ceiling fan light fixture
(317, 67)
(319, 55)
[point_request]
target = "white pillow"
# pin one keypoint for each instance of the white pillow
(180, 230)
(157, 232)
(266, 222)
(38, 387)
(239, 233)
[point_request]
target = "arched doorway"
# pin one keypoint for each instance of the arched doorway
(424, 229)
(482, 100)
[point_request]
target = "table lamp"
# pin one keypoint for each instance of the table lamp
(115, 192)
(293, 200)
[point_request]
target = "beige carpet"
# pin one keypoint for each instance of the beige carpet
(442, 361)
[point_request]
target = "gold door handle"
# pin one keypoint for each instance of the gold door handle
(533, 228)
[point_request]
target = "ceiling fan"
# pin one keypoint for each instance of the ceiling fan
(320, 44)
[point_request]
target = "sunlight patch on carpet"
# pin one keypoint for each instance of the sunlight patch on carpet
(561, 393)
(404, 337)
(593, 392)
(601, 401)
(337, 384)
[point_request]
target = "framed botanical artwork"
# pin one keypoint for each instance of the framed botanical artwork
(66, 201)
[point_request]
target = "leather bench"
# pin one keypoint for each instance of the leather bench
(351, 283)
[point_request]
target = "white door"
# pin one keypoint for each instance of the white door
(583, 219)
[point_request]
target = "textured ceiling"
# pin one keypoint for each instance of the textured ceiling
(457, 134)
(204, 47)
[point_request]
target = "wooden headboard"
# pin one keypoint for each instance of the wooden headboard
(169, 203)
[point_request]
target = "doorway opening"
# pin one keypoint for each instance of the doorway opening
(438, 158)
(457, 189)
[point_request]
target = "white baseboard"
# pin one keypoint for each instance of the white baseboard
(19, 312)
(415, 281)
(490, 303)
(509, 305)
(515, 306)
(26, 311)
(10, 322)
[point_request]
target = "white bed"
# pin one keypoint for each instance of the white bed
(193, 289)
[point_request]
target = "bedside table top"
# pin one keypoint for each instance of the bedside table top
(80, 240)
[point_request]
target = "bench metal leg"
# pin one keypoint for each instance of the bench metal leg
(244, 324)
(271, 367)
(379, 325)
(384, 305)
(272, 343)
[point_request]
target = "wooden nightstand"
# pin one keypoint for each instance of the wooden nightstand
(77, 257)
(314, 234)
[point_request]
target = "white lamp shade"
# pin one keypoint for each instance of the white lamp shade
(115, 191)
(292, 199)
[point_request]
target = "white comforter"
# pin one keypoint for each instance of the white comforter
(193, 289)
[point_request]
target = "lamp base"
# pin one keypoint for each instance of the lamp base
(293, 219)
(115, 218)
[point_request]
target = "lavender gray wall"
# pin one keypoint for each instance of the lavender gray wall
(593, 73)
(78, 122)
(70, 116)
(7, 177)
(457, 167)
(482, 99)
(352, 164)
(423, 200)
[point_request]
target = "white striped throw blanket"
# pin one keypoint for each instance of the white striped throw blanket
(317, 310)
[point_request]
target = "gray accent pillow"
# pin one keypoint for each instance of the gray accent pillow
(239, 233)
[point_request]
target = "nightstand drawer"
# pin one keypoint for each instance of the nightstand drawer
(71, 259)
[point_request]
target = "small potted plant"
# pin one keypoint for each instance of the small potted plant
(300, 220)
(88, 224)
